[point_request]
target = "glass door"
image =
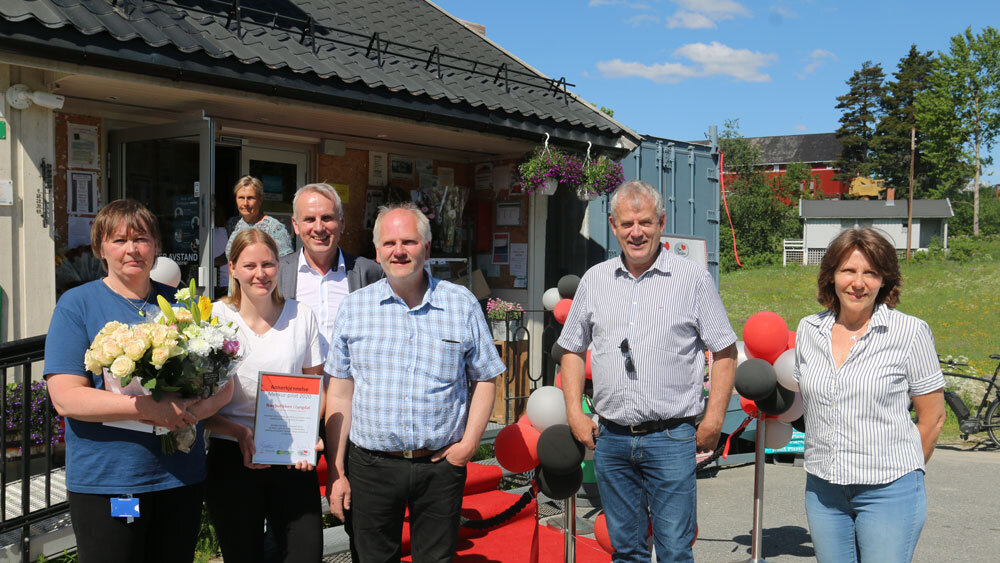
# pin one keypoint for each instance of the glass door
(282, 172)
(170, 168)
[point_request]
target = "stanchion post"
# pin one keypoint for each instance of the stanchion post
(758, 494)
(569, 529)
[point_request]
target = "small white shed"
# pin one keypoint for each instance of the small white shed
(824, 219)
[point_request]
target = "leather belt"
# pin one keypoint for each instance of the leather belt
(647, 427)
(407, 454)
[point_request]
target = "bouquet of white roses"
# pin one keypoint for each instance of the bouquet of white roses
(184, 350)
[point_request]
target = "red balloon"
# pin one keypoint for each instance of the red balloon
(561, 310)
(695, 538)
(765, 335)
(791, 339)
(601, 533)
(516, 448)
(524, 420)
(748, 406)
(587, 367)
(559, 379)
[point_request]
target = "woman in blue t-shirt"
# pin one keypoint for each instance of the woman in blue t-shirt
(105, 462)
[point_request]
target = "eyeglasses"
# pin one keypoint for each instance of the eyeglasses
(629, 364)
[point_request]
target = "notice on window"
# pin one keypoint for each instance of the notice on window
(378, 169)
(519, 259)
(501, 248)
(81, 193)
(286, 426)
(82, 146)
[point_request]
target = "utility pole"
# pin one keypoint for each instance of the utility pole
(909, 208)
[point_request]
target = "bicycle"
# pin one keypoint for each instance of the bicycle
(967, 423)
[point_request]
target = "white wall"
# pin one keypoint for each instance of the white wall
(817, 233)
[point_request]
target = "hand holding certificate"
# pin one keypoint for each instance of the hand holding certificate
(286, 425)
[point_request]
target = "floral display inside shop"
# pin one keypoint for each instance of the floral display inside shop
(505, 317)
(600, 176)
(546, 168)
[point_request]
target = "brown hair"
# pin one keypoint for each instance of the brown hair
(137, 219)
(243, 239)
(876, 249)
(249, 182)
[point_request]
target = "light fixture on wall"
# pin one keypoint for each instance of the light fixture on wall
(19, 96)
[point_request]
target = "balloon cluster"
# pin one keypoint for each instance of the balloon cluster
(559, 299)
(542, 440)
(765, 377)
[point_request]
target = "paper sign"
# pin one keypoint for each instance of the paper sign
(519, 259)
(286, 425)
(378, 168)
(501, 248)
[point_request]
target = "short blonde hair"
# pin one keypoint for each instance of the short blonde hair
(423, 223)
(136, 217)
(241, 241)
(249, 182)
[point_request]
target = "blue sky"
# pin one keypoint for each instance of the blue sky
(671, 68)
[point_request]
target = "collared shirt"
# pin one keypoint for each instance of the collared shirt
(858, 423)
(323, 293)
(669, 315)
(411, 367)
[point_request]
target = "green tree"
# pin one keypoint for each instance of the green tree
(610, 112)
(860, 107)
(960, 112)
(891, 144)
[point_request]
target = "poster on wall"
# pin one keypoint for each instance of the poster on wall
(344, 191)
(446, 176)
(378, 169)
(182, 242)
(81, 192)
(484, 175)
(423, 165)
(274, 187)
(400, 167)
(501, 248)
(519, 259)
(373, 199)
(82, 146)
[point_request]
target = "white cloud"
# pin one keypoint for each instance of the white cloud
(816, 59)
(704, 14)
(800, 127)
(707, 60)
(640, 19)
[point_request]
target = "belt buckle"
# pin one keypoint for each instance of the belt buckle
(408, 454)
(633, 428)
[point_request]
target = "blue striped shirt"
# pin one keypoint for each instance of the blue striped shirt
(670, 315)
(858, 427)
(411, 367)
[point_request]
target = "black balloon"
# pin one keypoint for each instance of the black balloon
(559, 487)
(558, 451)
(557, 352)
(755, 379)
(800, 424)
(567, 286)
(777, 402)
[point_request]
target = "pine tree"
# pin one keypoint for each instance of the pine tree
(860, 106)
(891, 145)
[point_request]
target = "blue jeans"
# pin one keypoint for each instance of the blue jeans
(643, 476)
(850, 523)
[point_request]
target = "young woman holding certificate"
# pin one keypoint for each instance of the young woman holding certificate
(276, 335)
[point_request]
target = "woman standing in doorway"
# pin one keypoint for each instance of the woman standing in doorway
(249, 192)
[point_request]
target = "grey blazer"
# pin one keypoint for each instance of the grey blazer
(360, 272)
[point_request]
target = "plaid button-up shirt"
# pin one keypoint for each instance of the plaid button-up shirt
(411, 367)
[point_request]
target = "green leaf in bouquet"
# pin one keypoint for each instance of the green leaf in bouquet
(194, 291)
(169, 388)
(149, 383)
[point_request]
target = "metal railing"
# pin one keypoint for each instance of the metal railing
(29, 427)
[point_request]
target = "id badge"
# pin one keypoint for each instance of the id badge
(125, 507)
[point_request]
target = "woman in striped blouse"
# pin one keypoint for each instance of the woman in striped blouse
(859, 363)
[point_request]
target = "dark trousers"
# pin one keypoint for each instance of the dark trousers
(165, 531)
(240, 499)
(381, 489)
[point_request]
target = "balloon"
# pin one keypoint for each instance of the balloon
(524, 420)
(516, 448)
(165, 271)
(558, 451)
(784, 367)
(559, 487)
(799, 424)
(766, 335)
(778, 402)
(561, 310)
(794, 412)
(546, 406)
(748, 406)
(741, 353)
(777, 434)
(601, 533)
(587, 367)
(550, 298)
(567, 286)
(558, 381)
(791, 340)
(557, 352)
(755, 379)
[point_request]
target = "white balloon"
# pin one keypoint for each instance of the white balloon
(550, 298)
(777, 434)
(546, 406)
(784, 366)
(794, 412)
(166, 271)
(741, 353)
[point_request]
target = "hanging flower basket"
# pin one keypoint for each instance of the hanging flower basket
(546, 168)
(600, 176)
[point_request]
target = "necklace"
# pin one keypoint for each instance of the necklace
(138, 309)
(858, 332)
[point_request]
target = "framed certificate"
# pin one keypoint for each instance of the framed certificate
(286, 424)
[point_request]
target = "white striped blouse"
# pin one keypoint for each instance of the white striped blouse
(669, 315)
(858, 427)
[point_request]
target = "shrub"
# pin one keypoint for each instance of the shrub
(12, 410)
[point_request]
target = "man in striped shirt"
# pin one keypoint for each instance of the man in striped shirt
(648, 315)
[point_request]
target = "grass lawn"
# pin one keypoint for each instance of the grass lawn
(960, 302)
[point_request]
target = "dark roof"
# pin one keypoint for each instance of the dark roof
(782, 149)
(872, 209)
(333, 40)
